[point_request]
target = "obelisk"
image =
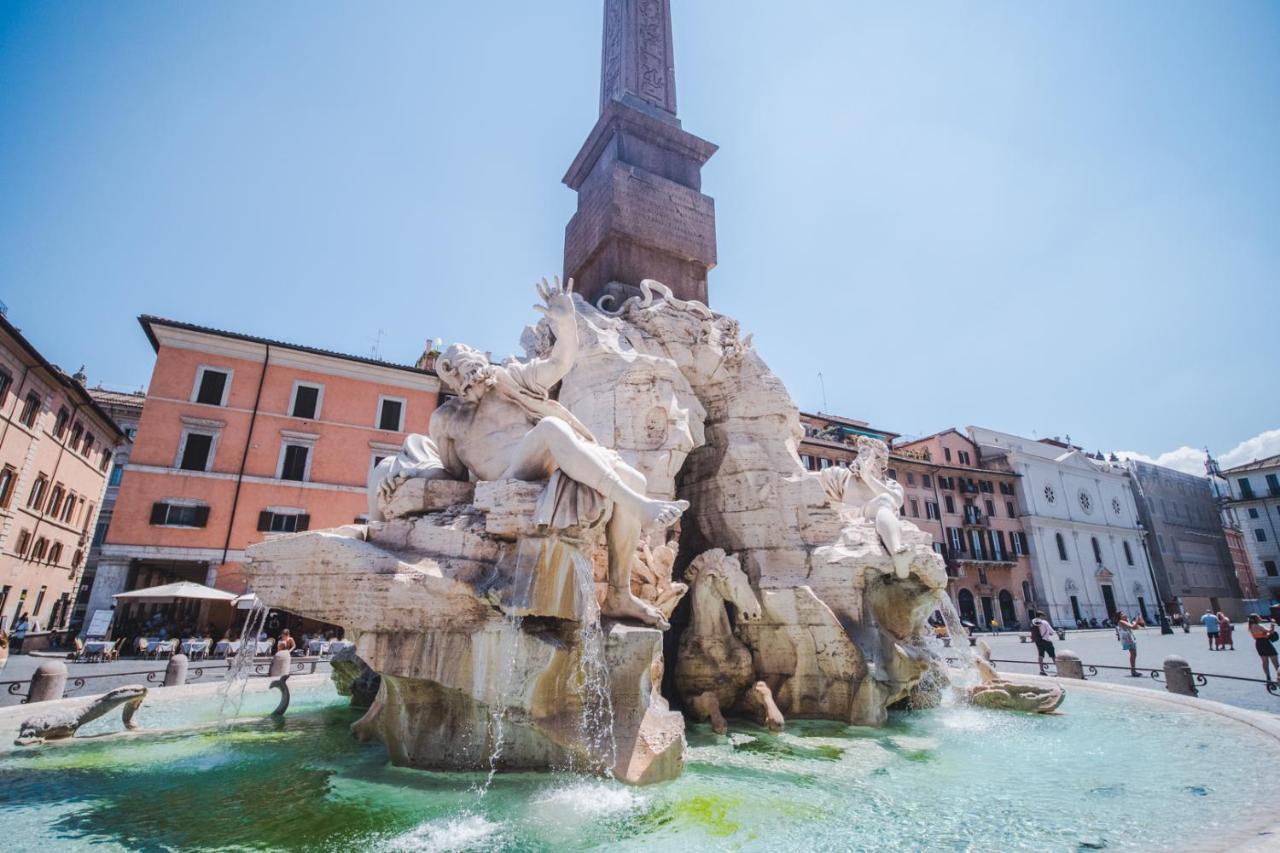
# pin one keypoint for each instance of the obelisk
(641, 213)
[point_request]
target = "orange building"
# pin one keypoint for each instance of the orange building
(56, 446)
(972, 512)
(241, 438)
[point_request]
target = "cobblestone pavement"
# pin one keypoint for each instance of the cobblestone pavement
(1101, 647)
(104, 676)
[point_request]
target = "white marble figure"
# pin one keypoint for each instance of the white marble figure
(866, 485)
(504, 424)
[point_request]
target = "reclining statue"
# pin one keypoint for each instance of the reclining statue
(504, 424)
(865, 485)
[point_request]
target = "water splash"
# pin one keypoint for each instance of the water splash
(231, 693)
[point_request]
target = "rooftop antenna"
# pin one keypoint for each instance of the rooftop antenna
(377, 346)
(822, 383)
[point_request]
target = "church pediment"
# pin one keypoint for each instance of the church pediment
(1076, 459)
(1103, 574)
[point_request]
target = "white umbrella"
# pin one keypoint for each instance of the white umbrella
(173, 591)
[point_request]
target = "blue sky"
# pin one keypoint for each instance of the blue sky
(1046, 219)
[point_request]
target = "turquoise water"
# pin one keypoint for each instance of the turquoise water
(1109, 773)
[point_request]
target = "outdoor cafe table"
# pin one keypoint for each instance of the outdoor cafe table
(94, 648)
(226, 647)
(191, 647)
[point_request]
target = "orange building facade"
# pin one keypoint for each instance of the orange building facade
(242, 438)
(973, 514)
(56, 447)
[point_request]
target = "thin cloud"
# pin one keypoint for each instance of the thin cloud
(1190, 460)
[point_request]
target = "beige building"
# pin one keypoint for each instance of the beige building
(56, 447)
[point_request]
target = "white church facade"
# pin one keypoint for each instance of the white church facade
(1081, 520)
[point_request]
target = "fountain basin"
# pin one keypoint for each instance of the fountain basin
(1123, 768)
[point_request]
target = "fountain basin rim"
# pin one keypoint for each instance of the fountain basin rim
(1262, 835)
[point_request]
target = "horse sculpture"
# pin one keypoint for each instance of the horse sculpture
(714, 670)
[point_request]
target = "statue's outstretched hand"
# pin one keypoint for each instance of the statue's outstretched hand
(559, 301)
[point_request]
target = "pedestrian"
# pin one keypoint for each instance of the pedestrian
(995, 627)
(285, 643)
(1042, 633)
(20, 629)
(1124, 630)
(1264, 637)
(1210, 623)
(1225, 630)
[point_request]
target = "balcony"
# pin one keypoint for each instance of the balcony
(968, 488)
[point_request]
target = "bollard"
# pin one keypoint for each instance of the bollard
(1069, 665)
(175, 674)
(48, 682)
(279, 665)
(1177, 676)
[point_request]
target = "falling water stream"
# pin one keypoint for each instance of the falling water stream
(964, 672)
(231, 693)
(591, 681)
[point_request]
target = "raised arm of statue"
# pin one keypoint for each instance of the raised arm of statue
(562, 316)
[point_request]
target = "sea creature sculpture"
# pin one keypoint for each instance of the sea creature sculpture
(62, 722)
(714, 669)
(998, 694)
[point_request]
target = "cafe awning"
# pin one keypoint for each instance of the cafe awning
(171, 592)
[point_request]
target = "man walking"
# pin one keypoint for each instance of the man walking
(1210, 623)
(1042, 634)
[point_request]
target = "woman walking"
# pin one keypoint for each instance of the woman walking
(1224, 632)
(1264, 636)
(1124, 630)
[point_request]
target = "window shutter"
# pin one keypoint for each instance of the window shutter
(158, 512)
(202, 516)
(304, 521)
(264, 520)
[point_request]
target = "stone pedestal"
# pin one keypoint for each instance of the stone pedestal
(1069, 665)
(279, 664)
(1178, 677)
(175, 673)
(48, 682)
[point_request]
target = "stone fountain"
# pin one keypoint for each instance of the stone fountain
(524, 558)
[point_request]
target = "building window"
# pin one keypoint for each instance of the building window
(1097, 551)
(1270, 566)
(1253, 512)
(1019, 543)
(87, 446)
(195, 452)
(8, 477)
(55, 553)
(991, 509)
(805, 460)
(117, 474)
(915, 508)
(294, 461)
(1260, 534)
(38, 551)
(824, 464)
(1062, 546)
(911, 479)
(36, 499)
(166, 514)
(955, 540)
(931, 510)
(283, 521)
(77, 558)
(1273, 484)
(1128, 554)
(100, 532)
(105, 461)
(1246, 488)
(391, 414)
(212, 385)
(305, 402)
(926, 481)
(76, 432)
(946, 453)
(55, 500)
(24, 542)
(35, 611)
(30, 409)
(88, 516)
(6, 380)
(1008, 507)
(949, 503)
(69, 510)
(891, 474)
(60, 425)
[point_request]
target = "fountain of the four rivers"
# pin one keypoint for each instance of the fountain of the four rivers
(602, 604)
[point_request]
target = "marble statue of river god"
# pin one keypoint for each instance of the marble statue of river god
(523, 559)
